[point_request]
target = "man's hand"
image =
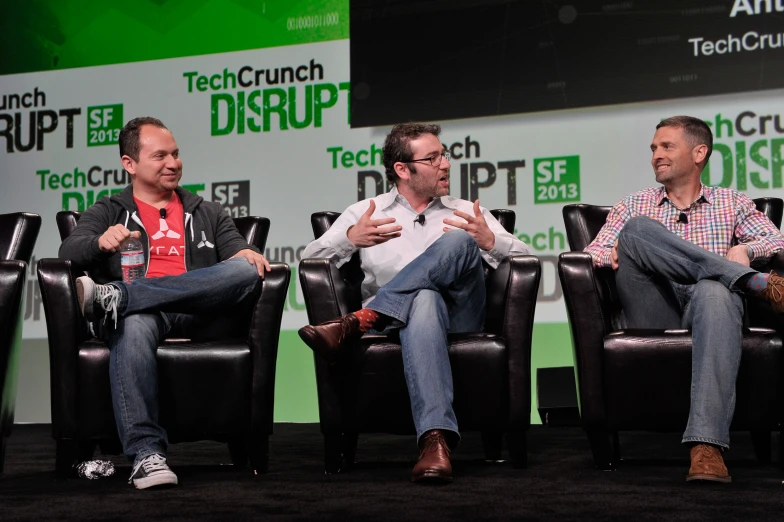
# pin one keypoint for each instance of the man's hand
(254, 259)
(475, 225)
(114, 236)
(368, 232)
(614, 256)
(739, 254)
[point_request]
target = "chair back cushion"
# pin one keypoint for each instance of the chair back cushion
(18, 233)
(583, 223)
(66, 222)
(772, 208)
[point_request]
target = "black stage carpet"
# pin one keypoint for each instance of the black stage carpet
(560, 483)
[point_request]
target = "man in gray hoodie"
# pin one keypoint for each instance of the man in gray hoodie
(197, 263)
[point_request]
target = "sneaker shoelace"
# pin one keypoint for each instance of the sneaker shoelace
(153, 463)
(108, 298)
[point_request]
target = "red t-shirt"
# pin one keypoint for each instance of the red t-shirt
(166, 236)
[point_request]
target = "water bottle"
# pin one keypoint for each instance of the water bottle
(132, 260)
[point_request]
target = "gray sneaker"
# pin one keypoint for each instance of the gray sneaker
(95, 301)
(152, 471)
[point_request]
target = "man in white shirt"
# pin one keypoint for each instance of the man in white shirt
(418, 278)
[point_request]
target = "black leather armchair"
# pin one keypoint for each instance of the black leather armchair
(641, 379)
(18, 232)
(491, 370)
(218, 390)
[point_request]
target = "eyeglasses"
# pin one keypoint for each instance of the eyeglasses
(434, 160)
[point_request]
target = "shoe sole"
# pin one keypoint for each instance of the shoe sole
(84, 287)
(162, 480)
(709, 478)
(432, 478)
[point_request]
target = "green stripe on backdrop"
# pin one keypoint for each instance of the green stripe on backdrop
(45, 35)
(295, 381)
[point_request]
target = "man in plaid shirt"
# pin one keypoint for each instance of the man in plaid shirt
(674, 245)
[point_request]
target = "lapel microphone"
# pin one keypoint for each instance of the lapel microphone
(420, 219)
(683, 218)
(163, 213)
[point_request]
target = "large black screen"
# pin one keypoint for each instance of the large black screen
(436, 59)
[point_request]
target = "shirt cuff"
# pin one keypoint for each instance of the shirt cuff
(501, 248)
(343, 247)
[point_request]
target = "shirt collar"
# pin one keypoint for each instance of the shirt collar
(388, 198)
(706, 194)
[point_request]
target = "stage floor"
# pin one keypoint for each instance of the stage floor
(559, 484)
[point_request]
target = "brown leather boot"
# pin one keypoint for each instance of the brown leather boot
(707, 464)
(329, 339)
(433, 464)
(774, 292)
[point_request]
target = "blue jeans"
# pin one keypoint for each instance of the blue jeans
(173, 306)
(666, 282)
(442, 290)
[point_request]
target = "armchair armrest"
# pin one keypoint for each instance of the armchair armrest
(512, 289)
(13, 275)
(263, 336)
(590, 319)
(66, 328)
(326, 293)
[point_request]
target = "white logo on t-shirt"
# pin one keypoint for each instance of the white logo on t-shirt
(164, 231)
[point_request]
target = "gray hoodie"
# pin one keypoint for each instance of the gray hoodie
(210, 234)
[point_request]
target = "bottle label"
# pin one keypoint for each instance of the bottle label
(132, 258)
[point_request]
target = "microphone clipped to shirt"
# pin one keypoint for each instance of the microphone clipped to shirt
(163, 213)
(683, 218)
(420, 219)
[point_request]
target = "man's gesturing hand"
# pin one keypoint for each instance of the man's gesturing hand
(254, 258)
(368, 232)
(474, 225)
(114, 236)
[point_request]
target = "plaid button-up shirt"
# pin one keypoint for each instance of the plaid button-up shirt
(714, 219)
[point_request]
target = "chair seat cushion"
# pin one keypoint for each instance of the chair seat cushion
(480, 372)
(648, 379)
(204, 389)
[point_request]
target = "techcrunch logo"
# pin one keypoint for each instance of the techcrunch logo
(23, 134)
(246, 77)
(748, 149)
(100, 180)
(95, 183)
(298, 103)
(474, 175)
(749, 42)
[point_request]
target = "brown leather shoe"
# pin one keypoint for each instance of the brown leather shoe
(707, 464)
(329, 339)
(774, 292)
(433, 464)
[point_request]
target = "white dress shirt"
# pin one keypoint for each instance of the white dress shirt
(381, 263)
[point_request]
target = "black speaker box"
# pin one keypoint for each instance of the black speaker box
(556, 396)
